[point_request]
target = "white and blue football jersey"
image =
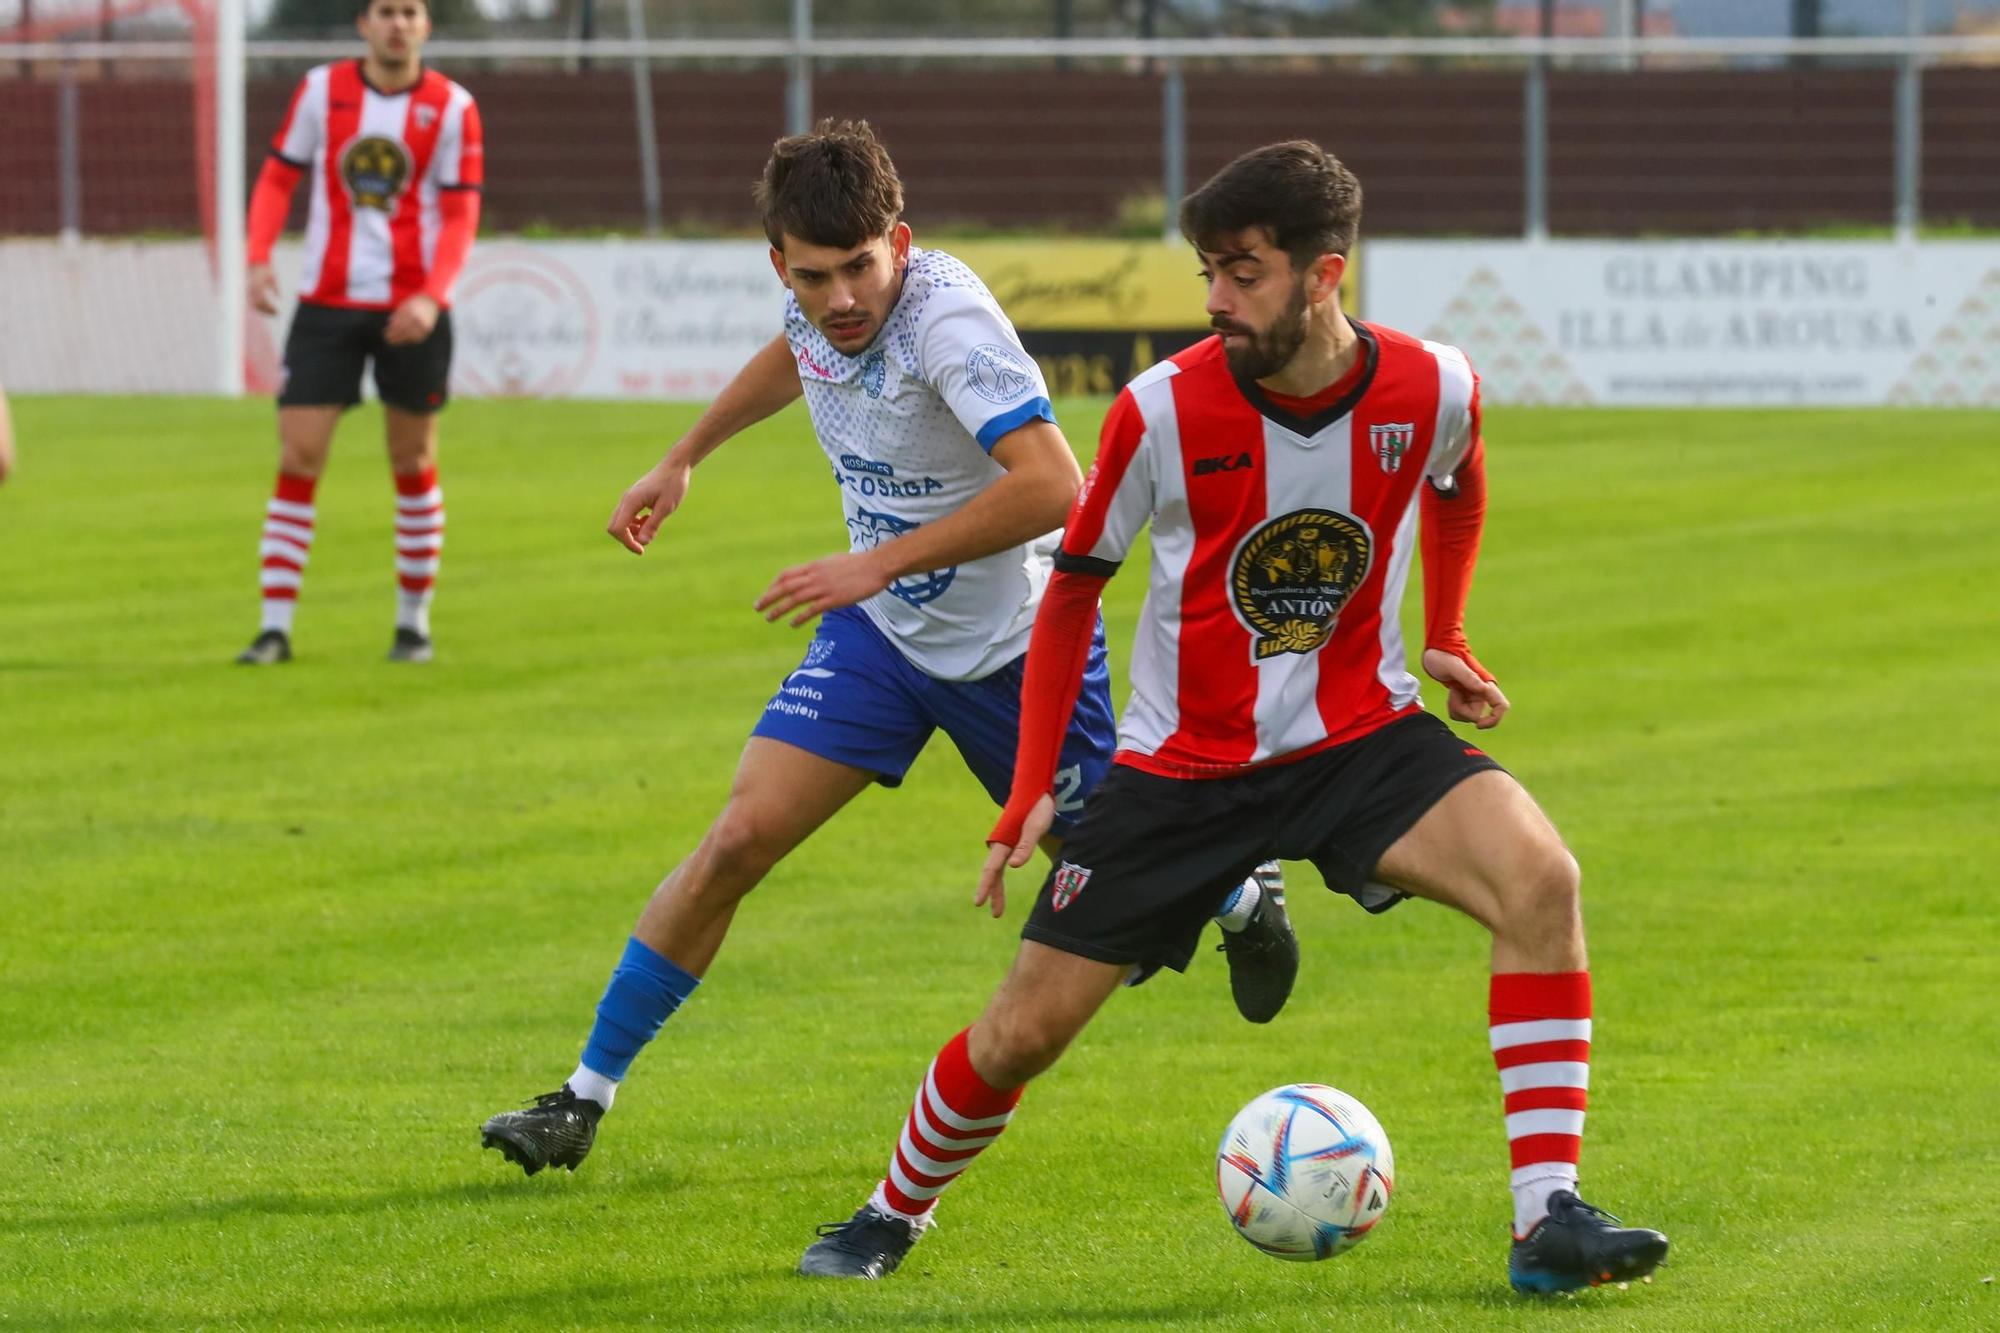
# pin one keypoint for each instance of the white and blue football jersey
(908, 426)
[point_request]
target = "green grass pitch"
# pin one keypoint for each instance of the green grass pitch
(272, 943)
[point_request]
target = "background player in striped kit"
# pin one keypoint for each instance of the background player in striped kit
(1280, 466)
(395, 156)
(952, 476)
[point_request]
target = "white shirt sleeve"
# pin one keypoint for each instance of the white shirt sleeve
(970, 354)
(1458, 413)
(298, 139)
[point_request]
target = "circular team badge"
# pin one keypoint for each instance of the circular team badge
(375, 170)
(996, 373)
(1292, 575)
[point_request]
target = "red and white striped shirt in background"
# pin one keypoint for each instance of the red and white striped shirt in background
(382, 225)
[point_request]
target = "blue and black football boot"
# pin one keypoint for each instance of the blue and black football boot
(1264, 955)
(1577, 1245)
(556, 1131)
(867, 1245)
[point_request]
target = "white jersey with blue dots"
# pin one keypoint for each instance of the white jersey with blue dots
(908, 426)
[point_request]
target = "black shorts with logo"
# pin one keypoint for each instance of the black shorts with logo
(1155, 856)
(329, 347)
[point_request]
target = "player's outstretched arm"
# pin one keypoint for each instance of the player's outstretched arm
(768, 382)
(1033, 498)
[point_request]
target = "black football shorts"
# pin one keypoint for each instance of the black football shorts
(329, 347)
(1152, 858)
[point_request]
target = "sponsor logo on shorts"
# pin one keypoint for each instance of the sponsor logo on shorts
(1292, 575)
(996, 373)
(1069, 881)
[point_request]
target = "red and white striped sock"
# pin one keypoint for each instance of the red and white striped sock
(419, 544)
(955, 1116)
(285, 548)
(1541, 1043)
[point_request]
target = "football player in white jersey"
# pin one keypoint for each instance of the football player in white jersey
(954, 479)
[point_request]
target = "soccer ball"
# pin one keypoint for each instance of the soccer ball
(1304, 1172)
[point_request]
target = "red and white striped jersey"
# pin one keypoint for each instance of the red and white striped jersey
(1281, 547)
(378, 162)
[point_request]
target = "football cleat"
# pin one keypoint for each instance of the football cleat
(1264, 955)
(1577, 1245)
(410, 646)
(273, 645)
(867, 1245)
(556, 1131)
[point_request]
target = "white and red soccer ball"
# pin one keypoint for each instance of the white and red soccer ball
(1304, 1172)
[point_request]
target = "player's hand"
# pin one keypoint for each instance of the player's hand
(824, 585)
(262, 285)
(412, 322)
(1469, 698)
(1000, 856)
(641, 510)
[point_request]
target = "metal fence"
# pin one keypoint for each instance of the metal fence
(1469, 136)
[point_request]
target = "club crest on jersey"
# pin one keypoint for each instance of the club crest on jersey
(874, 373)
(1290, 578)
(1391, 442)
(375, 170)
(1069, 881)
(996, 373)
(425, 115)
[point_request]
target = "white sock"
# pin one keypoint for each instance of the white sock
(278, 612)
(413, 611)
(1531, 1197)
(592, 1086)
(923, 1221)
(1239, 906)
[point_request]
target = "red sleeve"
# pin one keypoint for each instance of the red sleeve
(461, 222)
(471, 148)
(269, 203)
(1449, 527)
(1057, 653)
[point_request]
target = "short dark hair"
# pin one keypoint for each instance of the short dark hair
(361, 7)
(1296, 191)
(834, 187)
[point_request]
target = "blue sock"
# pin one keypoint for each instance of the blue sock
(644, 990)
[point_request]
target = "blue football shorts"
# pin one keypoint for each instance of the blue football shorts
(858, 701)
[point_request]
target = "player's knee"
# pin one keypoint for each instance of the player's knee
(1547, 887)
(1020, 1042)
(738, 851)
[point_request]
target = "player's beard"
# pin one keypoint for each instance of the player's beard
(1265, 352)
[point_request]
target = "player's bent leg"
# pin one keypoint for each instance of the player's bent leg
(305, 435)
(1488, 850)
(964, 1103)
(780, 795)
(412, 442)
(1049, 996)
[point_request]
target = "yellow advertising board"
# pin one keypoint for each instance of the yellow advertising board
(1097, 284)
(1094, 313)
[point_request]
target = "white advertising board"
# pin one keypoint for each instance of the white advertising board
(556, 319)
(1701, 323)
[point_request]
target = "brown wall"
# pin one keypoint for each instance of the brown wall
(1438, 154)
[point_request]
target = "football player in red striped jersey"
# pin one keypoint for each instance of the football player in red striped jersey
(1285, 467)
(395, 156)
